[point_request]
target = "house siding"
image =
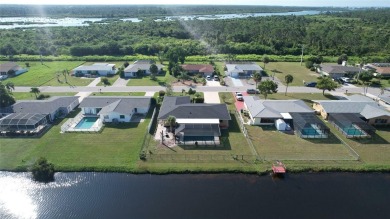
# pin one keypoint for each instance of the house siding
(372, 121)
(115, 116)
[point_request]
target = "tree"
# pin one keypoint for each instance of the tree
(35, 91)
(326, 83)
(288, 79)
(171, 121)
(42, 170)
(267, 87)
(10, 86)
(153, 71)
(265, 60)
(257, 77)
(366, 78)
(126, 64)
(342, 58)
(6, 99)
(105, 81)
(168, 89)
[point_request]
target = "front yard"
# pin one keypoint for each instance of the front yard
(300, 73)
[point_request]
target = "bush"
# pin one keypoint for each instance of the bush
(198, 100)
(142, 155)
(43, 96)
(222, 82)
(309, 64)
(191, 92)
(43, 171)
(161, 93)
(105, 81)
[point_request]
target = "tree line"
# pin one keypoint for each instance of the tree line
(356, 33)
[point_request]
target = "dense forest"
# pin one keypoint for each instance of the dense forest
(358, 33)
(110, 11)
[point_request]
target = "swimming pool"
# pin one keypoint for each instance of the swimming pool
(310, 131)
(86, 122)
(351, 130)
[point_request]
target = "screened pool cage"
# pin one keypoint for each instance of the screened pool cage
(351, 125)
(23, 122)
(308, 125)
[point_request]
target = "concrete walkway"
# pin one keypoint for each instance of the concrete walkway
(83, 95)
(120, 82)
(211, 97)
(94, 82)
(149, 94)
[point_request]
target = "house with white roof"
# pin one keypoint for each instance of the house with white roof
(140, 67)
(115, 109)
(266, 112)
(96, 69)
(242, 70)
(363, 107)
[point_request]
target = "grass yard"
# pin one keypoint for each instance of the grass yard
(145, 81)
(118, 94)
(306, 97)
(46, 75)
(116, 148)
(31, 96)
(300, 73)
(274, 145)
(111, 80)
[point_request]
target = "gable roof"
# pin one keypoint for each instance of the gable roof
(6, 67)
(143, 65)
(40, 106)
(274, 108)
(243, 67)
(383, 70)
(121, 105)
(334, 69)
(358, 97)
(198, 67)
(95, 67)
(181, 108)
(365, 108)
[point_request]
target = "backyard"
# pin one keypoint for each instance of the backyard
(49, 74)
(300, 73)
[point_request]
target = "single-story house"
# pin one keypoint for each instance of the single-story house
(34, 115)
(242, 70)
(115, 109)
(11, 69)
(143, 66)
(196, 121)
(204, 70)
(337, 71)
(266, 112)
(379, 68)
(368, 110)
(96, 69)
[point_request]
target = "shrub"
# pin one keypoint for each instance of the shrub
(198, 100)
(142, 155)
(191, 92)
(43, 171)
(161, 93)
(43, 96)
(105, 81)
(309, 64)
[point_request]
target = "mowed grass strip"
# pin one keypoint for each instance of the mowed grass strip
(274, 145)
(116, 148)
(118, 94)
(45, 74)
(300, 73)
(31, 96)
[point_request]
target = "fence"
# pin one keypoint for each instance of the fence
(240, 122)
(70, 122)
(149, 132)
(199, 158)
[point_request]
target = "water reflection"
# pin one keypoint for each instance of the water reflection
(19, 194)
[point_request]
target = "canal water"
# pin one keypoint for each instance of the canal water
(116, 195)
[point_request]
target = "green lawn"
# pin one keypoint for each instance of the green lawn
(110, 79)
(46, 75)
(145, 81)
(306, 97)
(115, 149)
(118, 94)
(31, 96)
(300, 73)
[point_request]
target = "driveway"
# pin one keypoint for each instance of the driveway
(120, 82)
(211, 97)
(240, 104)
(213, 83)
(94, 82)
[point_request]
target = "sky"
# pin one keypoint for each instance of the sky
(336, 3)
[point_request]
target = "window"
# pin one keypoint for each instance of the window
(380, 121)
(122, 116)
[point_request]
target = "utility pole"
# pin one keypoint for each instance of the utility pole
(302, 55)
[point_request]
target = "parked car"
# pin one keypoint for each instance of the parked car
(3, 77)
(216, 78)
(252, 91)
(345, 79)
(239, 96)
(310, 84)
(208, 78)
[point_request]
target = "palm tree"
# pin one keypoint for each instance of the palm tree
(257, 77)
(288, 79)
(35, 91)
(10, 86)
(171, 120)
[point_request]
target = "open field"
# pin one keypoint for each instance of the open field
(300, 73)
(46, 75)
(31, 96)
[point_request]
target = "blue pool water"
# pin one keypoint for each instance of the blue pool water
(310, 131)
(353, 131)
(86, 122)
